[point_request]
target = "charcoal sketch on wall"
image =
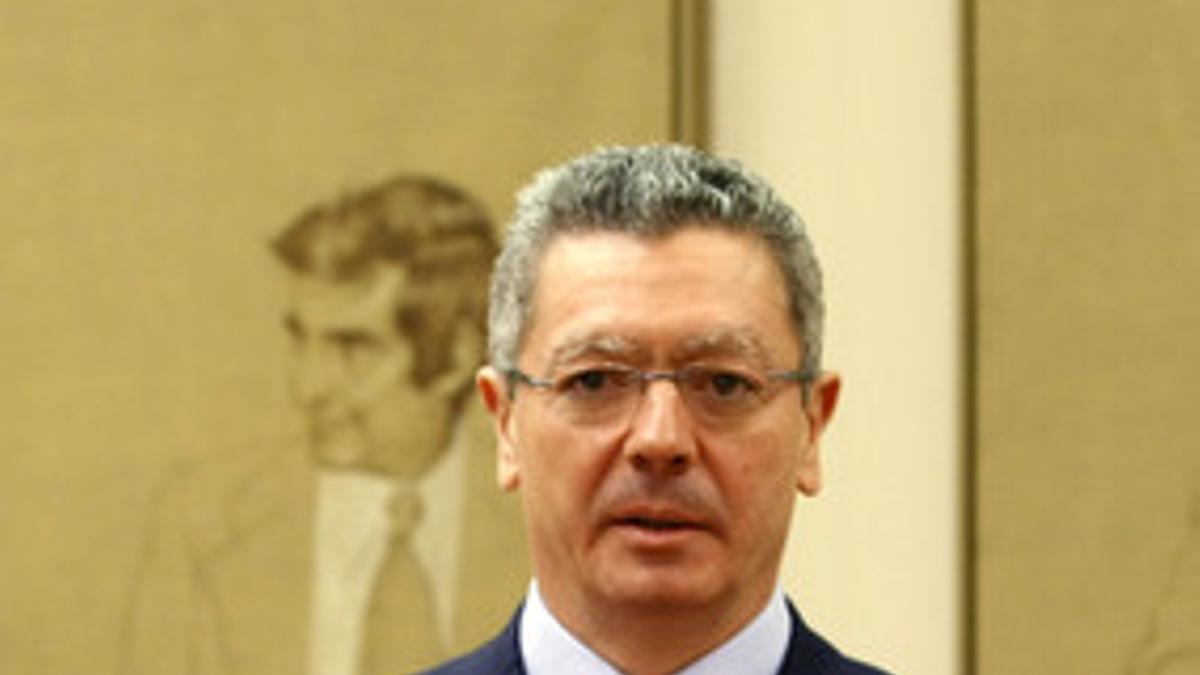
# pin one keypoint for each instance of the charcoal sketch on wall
(340, 555)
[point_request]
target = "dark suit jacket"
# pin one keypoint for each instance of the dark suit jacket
(807, 654)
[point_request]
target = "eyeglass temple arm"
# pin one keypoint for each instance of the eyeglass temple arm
(515, 376)
(805, 377)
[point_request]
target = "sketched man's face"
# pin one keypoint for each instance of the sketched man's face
(352, 377)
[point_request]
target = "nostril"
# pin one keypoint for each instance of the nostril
(639, 462)
(671, 462)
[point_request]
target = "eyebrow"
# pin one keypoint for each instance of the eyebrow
(729, 342)
(293, 325)
(602, 345)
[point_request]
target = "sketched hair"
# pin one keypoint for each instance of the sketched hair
(439, 234)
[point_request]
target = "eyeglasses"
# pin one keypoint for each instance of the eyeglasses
(608, 394)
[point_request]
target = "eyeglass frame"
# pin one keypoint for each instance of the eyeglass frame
(803, 377)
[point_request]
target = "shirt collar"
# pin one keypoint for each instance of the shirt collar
(548, 648)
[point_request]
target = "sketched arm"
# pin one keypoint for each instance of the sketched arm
(171, 620)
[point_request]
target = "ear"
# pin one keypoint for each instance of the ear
(818, 411)
(494, 392)
(466, 353)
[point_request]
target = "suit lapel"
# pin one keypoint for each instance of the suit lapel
(512, 663)
(501, 656)
(809, 653)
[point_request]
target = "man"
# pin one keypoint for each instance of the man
(656, 389)
(371, 551)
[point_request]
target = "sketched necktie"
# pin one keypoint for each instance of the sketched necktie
(400, 634)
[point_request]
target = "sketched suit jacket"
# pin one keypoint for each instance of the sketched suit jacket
(807, 654)
(225, 585)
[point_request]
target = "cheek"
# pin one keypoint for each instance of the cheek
(757, 477)
(390, 407)
(561, 467)
(384, 383)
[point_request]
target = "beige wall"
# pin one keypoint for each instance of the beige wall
(1088, 146)
(851, 108)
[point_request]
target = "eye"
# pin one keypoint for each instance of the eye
(594, 382)
(725, 385)
(357, 350)
(585, 380)
(348, 344)
(294, 328)
(728, 384)
(591, 380)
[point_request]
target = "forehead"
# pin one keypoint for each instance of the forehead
(367, 303)
(694, 291)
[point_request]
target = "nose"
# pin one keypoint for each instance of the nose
(661, 439)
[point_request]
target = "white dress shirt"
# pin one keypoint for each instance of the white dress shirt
(758, 649)
(351, 539)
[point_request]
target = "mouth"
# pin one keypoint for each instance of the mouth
(657, 534)
(656, 524)
(336, 444)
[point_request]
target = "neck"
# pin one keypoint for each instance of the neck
(654, 639)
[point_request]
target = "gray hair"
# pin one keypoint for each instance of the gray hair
(648, 191)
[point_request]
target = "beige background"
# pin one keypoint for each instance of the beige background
(149, 152)
(1085, 138)
(126, 306)
(852, 109)
(1088, 146)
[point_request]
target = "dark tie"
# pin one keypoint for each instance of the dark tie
(400, 634)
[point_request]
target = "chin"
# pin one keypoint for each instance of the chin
(344, 456)
(688, 569)
(662, 586)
